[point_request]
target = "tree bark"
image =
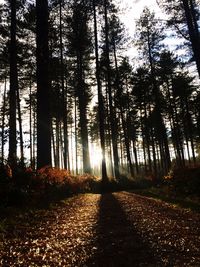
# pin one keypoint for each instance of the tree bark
(43, 86)
(127, 142)
(30, 124)
(110, 98)
(83, 114)
(76, 137)
(64, 100)
(100, 103)
(193, 30)
(3, 121)
(12, 156)
(20, 129)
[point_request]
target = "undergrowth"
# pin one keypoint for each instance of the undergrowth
(26, 186)
(180, 187)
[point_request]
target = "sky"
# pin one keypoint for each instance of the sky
(131, 11)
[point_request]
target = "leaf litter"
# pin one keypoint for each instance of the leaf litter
(119, 229)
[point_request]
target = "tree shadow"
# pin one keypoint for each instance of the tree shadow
(117, 241)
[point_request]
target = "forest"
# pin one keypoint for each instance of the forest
(73, 104)
(100, 134)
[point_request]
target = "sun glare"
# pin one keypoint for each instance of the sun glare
(95, 156)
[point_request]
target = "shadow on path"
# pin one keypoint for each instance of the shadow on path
(117, 242)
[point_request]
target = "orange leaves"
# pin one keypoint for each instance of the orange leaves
(63, 178)
(58, 236)
(28, 185)
(53, 175)
(82, 183)
(169, 176)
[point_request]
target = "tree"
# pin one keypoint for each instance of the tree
(100, 100)
(142, 92)
(184, 15)
(178, 88)
(79, 39)
(112, 114)
(43, 86)
(126, 107)
(64, 100)
(149, 41)
(13, 86)
(3, 122)
(117, 38)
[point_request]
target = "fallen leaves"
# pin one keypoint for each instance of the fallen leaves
(122, 229)
(173, 233)
(57, 237)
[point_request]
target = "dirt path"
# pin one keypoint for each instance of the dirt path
(120, 229)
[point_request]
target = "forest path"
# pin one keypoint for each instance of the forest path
(119, 229)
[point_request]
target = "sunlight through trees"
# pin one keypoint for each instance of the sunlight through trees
(71, 98)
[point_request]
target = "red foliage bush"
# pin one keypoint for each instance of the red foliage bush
(26, 184)
(52, 176)
(48, 176)
(185, 180)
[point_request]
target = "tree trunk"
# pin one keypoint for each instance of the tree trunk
(147, 139)
(64, 100)
(111, 107)
(190, 133)
(100, 103)
(30, 124)
(57, 159)
(127, 142)
(34, 139)
(20, 129)
(12, 156)
(136, 158)
(3, 121)
(193, 30)
(43, 86)
(76, 137)
(53, 145)
(61, 148)
(83, 115)
(108, 139)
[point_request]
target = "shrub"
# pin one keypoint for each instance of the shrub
(25, 184)
(185, 180)
(47, 178)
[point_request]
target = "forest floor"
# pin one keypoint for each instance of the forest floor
(112, 229)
